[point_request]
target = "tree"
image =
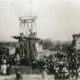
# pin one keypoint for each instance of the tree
(47, 43)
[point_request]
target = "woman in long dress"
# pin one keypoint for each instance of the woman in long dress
(4, 68)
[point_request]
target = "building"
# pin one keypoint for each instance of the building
(76, 41)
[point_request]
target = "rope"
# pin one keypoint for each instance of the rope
(25, 29)
(38, 68)
(31, 27)
(36, 30)
(17, 2)
(22, 8)
(43, 3)
(28, 26)
(18, 10)
(29, 57)
(14, 9)
(20, 28)
(25, 9)
(31, 45)
(30, 7)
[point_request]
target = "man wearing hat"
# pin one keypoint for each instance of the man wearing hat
(44, 73)
(18, 75)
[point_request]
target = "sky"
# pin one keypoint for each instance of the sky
(56, 19)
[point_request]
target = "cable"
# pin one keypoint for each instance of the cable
(25, 8)
(38, 68)
(30, 7)
(14, 9)
(36, 30)
(19, 8)
(29, 56)
(22, 7)
(42, 5)
(25, 30)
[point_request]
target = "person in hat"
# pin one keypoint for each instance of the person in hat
(18, 75)
(44, 73)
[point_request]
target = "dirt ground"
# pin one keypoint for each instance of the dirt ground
(27, 77)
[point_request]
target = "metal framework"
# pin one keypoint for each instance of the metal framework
(27, 25)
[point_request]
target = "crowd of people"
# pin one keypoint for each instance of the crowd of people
(6, 60)
(57, 64)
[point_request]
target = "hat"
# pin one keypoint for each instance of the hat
(45, 66)
(4, 61)
(18, 71)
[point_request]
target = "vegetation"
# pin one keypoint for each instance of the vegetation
(49, 44)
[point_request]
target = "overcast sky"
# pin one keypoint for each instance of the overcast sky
(56, 19)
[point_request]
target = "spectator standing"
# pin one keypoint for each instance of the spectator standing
(8, 69)
(18, 75)
(4, 67)
(44, 73)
